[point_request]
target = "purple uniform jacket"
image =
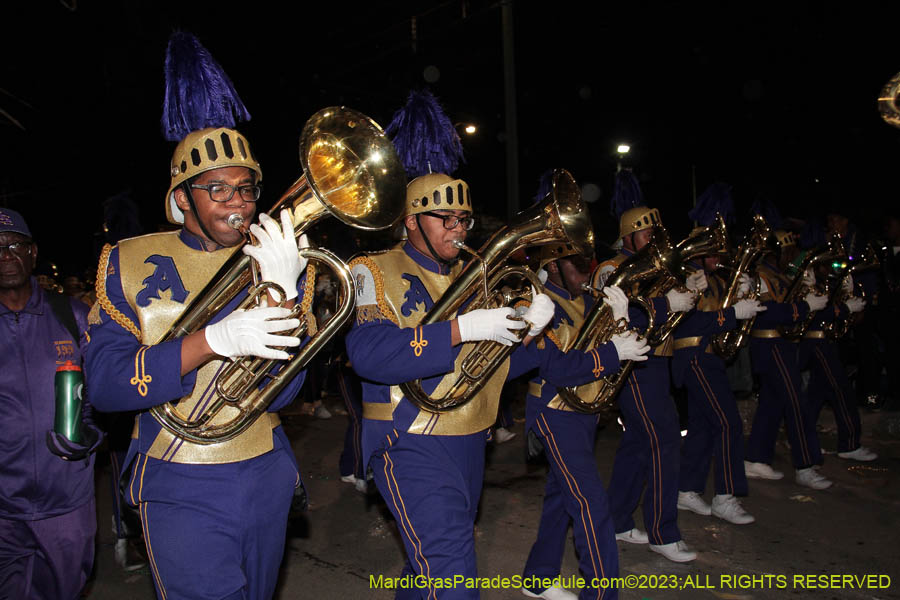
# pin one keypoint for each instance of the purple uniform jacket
(34, 483)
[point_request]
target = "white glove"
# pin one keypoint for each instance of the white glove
(489, 324)
(744, 309)
(542, 275)
(277, 255)
(855, 304)
(744, 285)
(680, 301)
(248, 333)
(815, 301)
(539, 313)
(697, 282)
(617, 301)
(629, 347)
(809, 278)
(847, 284)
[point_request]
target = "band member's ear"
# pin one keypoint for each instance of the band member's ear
(181, 200)
(410, 222)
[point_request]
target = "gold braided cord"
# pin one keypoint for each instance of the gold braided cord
(309, 289)
(383, 306)
(103, 300)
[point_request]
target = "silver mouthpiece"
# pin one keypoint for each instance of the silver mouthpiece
(458, 244)
(235, 221)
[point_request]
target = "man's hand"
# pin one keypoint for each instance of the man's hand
(815, 301)
(744, 309)
(249, 333)
(855, 304)
(617, 301)
(809, 278)
(539, 313)
(630, 347)
(847, 284)
(696, 282)
(66, 449)
(277, 253)
(680, 301)
(744, 285)
(489, 324)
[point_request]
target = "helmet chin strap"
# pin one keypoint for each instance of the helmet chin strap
(434, 254)
(190, 197)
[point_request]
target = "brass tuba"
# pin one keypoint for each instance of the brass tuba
(351, 171)
(887, 101)
(659, 259)
(833, 250)
(758, 240)
(560, 216)
(867, 261)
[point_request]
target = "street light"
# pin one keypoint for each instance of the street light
(621, 150)
(468, 128)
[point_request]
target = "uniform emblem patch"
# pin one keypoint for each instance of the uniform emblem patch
(164, 278)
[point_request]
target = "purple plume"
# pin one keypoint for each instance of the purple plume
(199, 93)
(626, 193)
(425, 138)
(544, 185)
(716, 199)
(765, 207)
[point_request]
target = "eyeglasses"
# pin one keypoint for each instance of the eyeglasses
(451, 221)
(20, 248)
(222, 192)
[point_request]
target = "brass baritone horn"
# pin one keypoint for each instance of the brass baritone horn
(351, 171)
(560, 216)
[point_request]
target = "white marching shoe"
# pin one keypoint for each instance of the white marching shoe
(693, 502)
(726, 506)
(676, 551)
(633, 536)
(551, 593)
(861, 454)
(757, 470)
(502, 434)
(811, 478)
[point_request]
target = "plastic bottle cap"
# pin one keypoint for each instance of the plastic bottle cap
(69, 366)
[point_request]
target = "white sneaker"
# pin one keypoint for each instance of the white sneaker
(726, 506)
(811, 478)
(676, 551)
(502, 434)
(633, 536)
(322, 413)
(351, 478)
(693, 502)
(862, 454)
(551, 593)
(757, 470)
(127, 557)
(362, 486)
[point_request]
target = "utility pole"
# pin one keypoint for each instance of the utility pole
(509, 87)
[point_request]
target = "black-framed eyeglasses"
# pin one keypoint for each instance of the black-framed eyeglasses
(222, 192)
(451, 221)
(20, 248)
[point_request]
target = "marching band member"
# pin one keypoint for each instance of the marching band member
(775, 361)
(714, 430)
(574, 492)
(827, 376)
(214, 515)
(429, 466)
(648, 454)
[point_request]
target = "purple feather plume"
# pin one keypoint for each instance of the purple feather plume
(199, 93)
(626, 193)
(425, 138)
(544, 185)
(716, 199)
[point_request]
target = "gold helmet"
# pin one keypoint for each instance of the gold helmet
(785, 239)
(637, 219)
(205, 150)
(436, 191)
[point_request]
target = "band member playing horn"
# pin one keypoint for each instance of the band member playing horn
(214, 515)
(714, 430)
(648, 454)
(428, 465)
(574, 492)
(774, 359)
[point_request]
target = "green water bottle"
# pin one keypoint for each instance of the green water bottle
(69, 385)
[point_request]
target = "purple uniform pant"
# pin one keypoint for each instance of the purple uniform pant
(215, 531)
(828, 381)
(47, 559)
(432, 485)
(574, 494)
(351, 461)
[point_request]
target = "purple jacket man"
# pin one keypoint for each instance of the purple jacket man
(47, 514)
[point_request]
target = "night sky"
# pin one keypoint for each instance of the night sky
(778, 101)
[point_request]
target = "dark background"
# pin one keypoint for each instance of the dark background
(778, 100)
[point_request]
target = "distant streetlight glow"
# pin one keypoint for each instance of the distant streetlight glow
(623, 148)
(470, 129)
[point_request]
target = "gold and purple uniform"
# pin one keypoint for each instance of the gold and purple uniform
(214, 515)
(574, 492)
(775, 361)
(715, 430)
(429, 467)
